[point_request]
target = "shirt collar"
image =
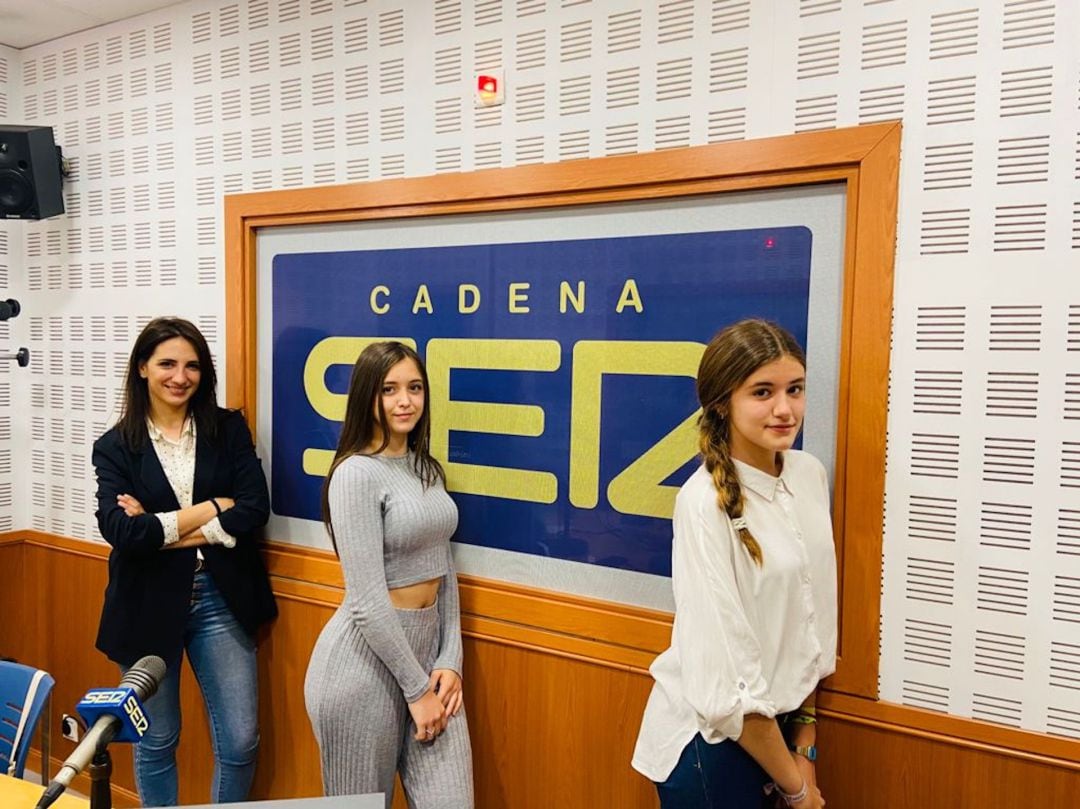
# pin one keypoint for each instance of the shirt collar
(760, 482)
(187, 431)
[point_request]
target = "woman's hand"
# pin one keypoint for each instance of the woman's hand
(447, 684)
(131, 506)
(225, 503)
(429, 715)
(813, 799)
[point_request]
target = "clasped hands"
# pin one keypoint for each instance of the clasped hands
(442, 700)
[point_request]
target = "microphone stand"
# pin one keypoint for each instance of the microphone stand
(142, 679)
(99, 770)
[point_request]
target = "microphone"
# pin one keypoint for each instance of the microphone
(110, 713)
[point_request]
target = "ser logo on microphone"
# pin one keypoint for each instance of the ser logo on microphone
(135, 713)
(104, 696)
(122, 703)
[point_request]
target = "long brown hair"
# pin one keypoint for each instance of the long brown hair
(728, 361)
(360, 426)
(136, 410)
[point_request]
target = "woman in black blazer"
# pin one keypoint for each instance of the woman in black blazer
(181, 497)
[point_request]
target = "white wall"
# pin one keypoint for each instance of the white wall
(165, 113)
(10, 81)
(11, 250)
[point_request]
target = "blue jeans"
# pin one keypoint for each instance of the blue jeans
(714, 776)
(222, 656)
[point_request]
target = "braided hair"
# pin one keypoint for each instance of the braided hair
(728, 361)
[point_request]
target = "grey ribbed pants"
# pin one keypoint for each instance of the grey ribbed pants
(363, 725)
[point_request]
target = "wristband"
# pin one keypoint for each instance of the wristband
(795, 797)
(217, 508)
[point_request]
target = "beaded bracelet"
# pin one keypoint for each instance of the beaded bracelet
(795, 797)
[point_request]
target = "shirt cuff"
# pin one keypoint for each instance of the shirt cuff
(216, 535)
(168, 524)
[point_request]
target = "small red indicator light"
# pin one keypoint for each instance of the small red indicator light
(770, 243)
(490, 87)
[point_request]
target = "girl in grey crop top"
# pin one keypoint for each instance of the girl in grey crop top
(383, 687)
(394, 532)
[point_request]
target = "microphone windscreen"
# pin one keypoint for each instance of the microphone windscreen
(145, 676)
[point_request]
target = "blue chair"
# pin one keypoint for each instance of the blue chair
(24, 691)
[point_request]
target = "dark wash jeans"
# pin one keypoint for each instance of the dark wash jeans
(223, 659)
(714, 776)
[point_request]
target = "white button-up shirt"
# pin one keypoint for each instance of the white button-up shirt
(746, 639)
(177, 459)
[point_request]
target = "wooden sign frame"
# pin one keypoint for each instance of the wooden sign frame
(865, 159)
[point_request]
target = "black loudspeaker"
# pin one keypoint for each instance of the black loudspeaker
(30, 173)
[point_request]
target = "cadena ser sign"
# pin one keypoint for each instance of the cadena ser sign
(561, 373)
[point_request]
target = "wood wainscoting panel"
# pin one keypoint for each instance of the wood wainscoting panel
(549, 728)
(56, 589)
(866, 767)
(550, 731)
(289, 754)
(14, 597)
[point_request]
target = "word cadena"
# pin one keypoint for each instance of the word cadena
(518, 297)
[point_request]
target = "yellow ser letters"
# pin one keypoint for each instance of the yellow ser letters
(637, 489)
(487, 417)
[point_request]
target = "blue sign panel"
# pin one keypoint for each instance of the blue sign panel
(561, 373)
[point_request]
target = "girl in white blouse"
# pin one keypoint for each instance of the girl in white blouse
(731, 716)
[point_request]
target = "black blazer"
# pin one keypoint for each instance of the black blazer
(149, 590)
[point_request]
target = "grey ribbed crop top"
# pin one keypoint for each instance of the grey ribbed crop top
(392, 532)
